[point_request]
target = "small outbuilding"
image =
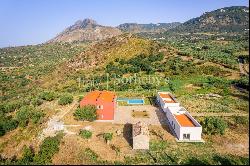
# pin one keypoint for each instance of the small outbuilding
(140, 136)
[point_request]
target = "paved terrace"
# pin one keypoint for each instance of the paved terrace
(123, 115)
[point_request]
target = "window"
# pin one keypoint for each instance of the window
(186, 136)
(174, 126)
(172, 123)
(100, 107)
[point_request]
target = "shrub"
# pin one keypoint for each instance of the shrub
(49, 147)
(2, 131)
(87, 113)
(241, 120)
(9, 124)
(27, 113)
(243, 82)
(80, 98)
(90, 155)
(28, 156)
(23, 115)
(86, 134)
(36, 101)
(36, 116)
(65, 99)
(213, 125)
(108, 136)
(11, 106)
(48, 96)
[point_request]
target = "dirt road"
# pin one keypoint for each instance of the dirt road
(56, 124)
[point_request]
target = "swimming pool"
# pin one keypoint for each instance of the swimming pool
(131, 101)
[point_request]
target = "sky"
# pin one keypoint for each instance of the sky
(25, 22)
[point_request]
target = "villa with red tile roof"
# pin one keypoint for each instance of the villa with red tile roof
(105, 102)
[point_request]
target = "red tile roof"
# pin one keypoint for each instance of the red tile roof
(167, 98)
(106, 96)
(184, 120)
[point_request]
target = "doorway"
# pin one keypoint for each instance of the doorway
(186, 136)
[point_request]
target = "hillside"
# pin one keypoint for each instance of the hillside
(228, 19)
(85, 30)
(124, 47)
(138, 28)
(132, 67)
(42, 86)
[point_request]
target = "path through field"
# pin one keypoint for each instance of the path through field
(56, 124)
(242, 68)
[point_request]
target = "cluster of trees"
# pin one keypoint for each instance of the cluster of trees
(213, 125)
(87, 113)
(28, 114)
(135, 64)
(209, 51)
(65, 99)
(48, 148)
(48, 95)
(7, 123)
(176, 66)
(243, 82)
(23, 116)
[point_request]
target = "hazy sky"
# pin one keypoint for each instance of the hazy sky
(26, 22)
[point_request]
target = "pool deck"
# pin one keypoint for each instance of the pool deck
(123, 115)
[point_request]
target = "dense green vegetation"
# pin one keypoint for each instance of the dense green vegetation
(108, 136)
(87, 113)
(213, 125)
(65, 99)
(86, 134)
(213, 51)
(160, 153)
(7, 123)
(48, 148)
(27, 114)
(48, 96)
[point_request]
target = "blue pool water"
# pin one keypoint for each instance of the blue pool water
(135, 101)
(131, 101)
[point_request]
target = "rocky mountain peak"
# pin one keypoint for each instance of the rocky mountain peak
(86, 23)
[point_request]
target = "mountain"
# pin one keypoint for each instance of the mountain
(86, 30)
(137, 28)
(228, 19)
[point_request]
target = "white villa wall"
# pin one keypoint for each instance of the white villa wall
(170, 110)
(195, 133)
(165, 105)
(174, 124)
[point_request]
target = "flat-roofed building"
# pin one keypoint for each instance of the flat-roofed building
(183, 124)
(185, 127)
(166, 99)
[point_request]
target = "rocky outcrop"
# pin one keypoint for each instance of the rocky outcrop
(86, 30)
